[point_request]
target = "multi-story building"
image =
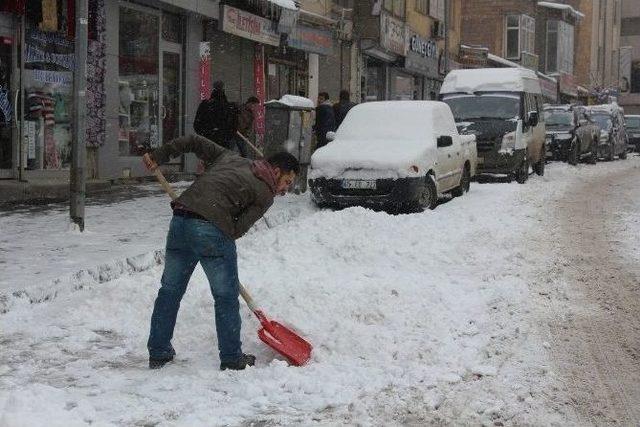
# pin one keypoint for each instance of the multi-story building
(630, 58)
(598, 48)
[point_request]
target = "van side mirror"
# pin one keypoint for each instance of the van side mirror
(331, 135)
(445, 141)
(532, 118)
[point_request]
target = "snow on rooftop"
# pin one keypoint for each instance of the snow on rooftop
(501, 60)
(287, 4)
(551, 5)
(491, 79)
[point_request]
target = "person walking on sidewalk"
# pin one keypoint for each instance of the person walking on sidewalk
(342, 107)
(218, 208)
(216, 118)
(325, 119)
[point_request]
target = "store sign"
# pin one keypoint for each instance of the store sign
(311, 40)
(549, 89)
(259, 83)
(567, 85)
(422, 56)
(249, 26)
(205, 70)
(392, 34)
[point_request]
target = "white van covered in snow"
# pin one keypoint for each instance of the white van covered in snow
(395, 155)
(502, 107)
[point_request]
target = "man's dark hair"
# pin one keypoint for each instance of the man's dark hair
(325, 95)
(344, 95)
(253, 100)
(285, 161)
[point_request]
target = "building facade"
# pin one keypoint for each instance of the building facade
(630, 57)
(150, 63)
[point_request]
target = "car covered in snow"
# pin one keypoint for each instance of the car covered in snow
(393, 155)
(502, 107)
(571, 135)
(612, 140)
(632, 126)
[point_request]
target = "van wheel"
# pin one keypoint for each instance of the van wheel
(428, 194)
(573, 155)
(593, 156)
(538, 168)
(465, 183)
(522, 174)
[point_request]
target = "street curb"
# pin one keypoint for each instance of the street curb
(84, 278)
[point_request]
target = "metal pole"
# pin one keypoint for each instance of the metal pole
(447, 21)
(20, 123)
(78, 150)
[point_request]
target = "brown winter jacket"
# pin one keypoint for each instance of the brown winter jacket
(228, 193)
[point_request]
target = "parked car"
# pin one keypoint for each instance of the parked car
(502, 107)
(610, 120)
(571, 135)
(632, 126)
(393, 155)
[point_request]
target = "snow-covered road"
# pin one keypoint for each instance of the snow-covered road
(438, 317)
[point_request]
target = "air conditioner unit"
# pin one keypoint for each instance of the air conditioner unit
(438, 30)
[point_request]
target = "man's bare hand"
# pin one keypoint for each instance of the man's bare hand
(149, 162)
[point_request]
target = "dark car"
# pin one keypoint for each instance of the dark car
(613, 140)
(632, 125)
(570, 134)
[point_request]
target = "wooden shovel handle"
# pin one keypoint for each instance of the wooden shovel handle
(245, 139)
(243, 291)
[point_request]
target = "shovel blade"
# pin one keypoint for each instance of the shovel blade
(286, 342)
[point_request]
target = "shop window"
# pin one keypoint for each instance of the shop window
(560, 48)
(6, 104)
(138, 83)
(520, 35)
(635, 77)
(48, 82)
(171, 27)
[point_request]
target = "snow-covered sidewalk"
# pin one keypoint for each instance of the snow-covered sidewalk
(424, 318)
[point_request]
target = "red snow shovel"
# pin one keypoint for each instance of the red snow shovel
(277, 336)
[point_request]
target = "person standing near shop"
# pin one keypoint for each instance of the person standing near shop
(218, 208)
(342, 107)
(246, 117)
(216, 118)
(325, 119)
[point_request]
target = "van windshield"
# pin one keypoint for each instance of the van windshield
(633, 122)
(602, 120)
(558, 118)
(485, 106)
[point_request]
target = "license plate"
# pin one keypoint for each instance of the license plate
(359, 184)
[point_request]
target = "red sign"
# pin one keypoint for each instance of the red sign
(258, 79)
(205, 70)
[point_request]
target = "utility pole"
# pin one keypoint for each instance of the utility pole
(78, 149)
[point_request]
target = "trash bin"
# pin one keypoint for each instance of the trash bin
(288, 127)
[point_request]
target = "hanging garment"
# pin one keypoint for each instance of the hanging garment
(49, 16)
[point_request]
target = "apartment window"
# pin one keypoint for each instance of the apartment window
(396, 7)
(635, 77)
(437, 9)
(559, 55)
(520, 35)
(422, 6)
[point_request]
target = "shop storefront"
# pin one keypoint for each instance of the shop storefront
(8, 60)
(422, 62)
(382, 78)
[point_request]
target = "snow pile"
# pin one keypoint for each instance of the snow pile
(389, 137)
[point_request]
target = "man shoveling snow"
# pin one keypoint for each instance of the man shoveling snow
(218, 208)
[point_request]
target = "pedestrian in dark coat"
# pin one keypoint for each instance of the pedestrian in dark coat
(245, 124)
(216, 118)
(342, 107)
(325, 119)
(218, 208)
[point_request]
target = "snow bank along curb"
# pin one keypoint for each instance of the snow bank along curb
(107, 272)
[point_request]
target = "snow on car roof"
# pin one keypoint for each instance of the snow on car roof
(491, 79)
(293, 101)
(604, 108)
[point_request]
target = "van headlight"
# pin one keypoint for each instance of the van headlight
(508, 142)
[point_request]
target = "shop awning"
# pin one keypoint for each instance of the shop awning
(564, 7)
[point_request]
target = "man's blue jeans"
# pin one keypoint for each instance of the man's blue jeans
(191, 241)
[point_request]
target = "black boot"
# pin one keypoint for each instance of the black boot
(159, 362)
(238, 365)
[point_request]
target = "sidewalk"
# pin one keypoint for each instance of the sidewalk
(42, 255)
